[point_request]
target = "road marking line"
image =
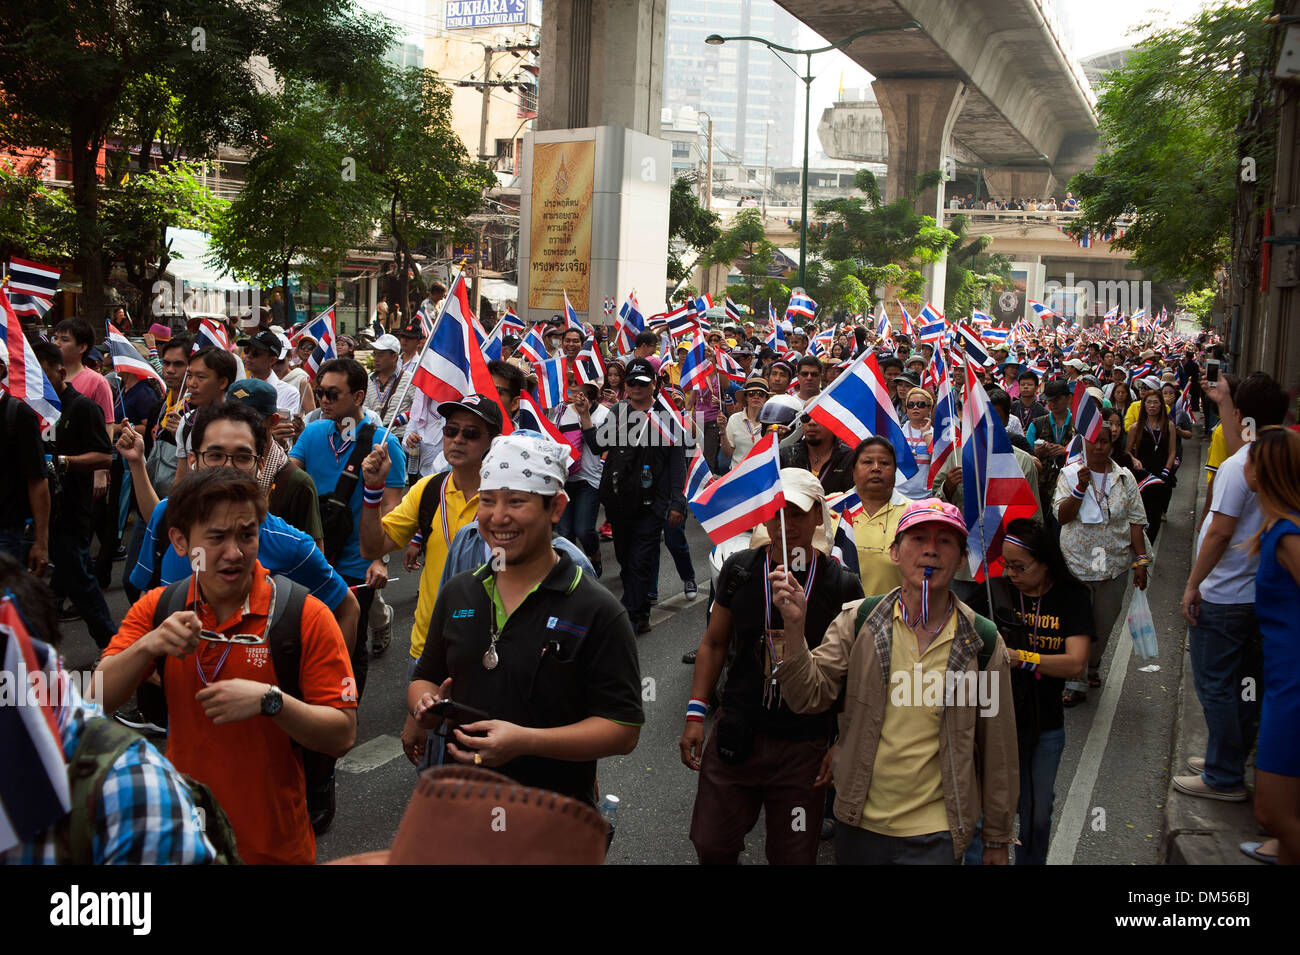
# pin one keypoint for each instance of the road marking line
(371, 754)
(1074, 815)
(673, 606)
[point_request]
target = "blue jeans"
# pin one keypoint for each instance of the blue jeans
(1038, 765)
(1225, 650)
(675, 541)
(578, 522)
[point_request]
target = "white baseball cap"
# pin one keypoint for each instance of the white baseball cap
(386, 342)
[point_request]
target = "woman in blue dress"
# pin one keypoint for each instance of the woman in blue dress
(1273, 472)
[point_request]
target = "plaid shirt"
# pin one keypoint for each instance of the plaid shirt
(145, 815)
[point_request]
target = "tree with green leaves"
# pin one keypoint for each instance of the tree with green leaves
(875, 244)
(691, 227)
(746, 246)
(70, 72)
(400, 124)
(306, 199)
(37, 220)
(1184, 127)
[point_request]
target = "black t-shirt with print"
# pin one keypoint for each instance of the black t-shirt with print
(742, 590)
(81, 430)
(1064, 611)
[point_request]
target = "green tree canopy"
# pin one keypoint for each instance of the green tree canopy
(691, 227)
(1176, 123)
(746, 245)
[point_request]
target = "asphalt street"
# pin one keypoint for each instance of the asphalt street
(1109, 790)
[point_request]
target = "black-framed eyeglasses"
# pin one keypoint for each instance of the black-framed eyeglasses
(239, 639)
(243, 460)
(468, 432)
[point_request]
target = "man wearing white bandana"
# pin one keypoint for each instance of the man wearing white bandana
(529, 640)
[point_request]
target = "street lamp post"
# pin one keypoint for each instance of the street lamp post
(807, 78)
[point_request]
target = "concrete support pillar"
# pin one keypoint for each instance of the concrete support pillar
(1011, 183)
(919, 115)
(602, 64)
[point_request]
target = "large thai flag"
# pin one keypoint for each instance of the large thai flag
(631, 323)
(26, 381)
(696, 366)
(320, 328)
(533, 347)
(589, 365)
(571, 316)
(744, 497)
(553, 382)
(1043, 312)
(698, 474)
(32, 287)
(34, 790)
(994, 489)
(533, 418)
(856, 405)
(1085, 413)
(801, 303)
(451, 364)
(946, 436)
(127, 360)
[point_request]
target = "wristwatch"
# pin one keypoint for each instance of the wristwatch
(272, 701)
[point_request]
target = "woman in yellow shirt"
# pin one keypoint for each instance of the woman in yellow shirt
(875, 467)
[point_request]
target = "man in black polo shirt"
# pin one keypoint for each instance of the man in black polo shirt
(81, 447)
(761, 755)
(530, 640)
(817, 450)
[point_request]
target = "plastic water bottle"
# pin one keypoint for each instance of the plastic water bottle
(609, 809)
(646, 479)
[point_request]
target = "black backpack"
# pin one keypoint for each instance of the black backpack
(430, 501)
(336, 516)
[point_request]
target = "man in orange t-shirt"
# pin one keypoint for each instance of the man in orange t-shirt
(230, 725)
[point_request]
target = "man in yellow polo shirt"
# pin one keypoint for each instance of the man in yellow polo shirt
(927, 750)
(471, 424)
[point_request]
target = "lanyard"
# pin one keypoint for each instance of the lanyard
(772, 689)
(442, 511)
(767, 589)
(341, 449)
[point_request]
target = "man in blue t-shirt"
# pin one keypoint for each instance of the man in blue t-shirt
(324, 450)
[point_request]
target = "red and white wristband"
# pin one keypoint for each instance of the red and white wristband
(696, 710)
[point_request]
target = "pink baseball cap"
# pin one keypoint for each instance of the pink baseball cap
(932, 511)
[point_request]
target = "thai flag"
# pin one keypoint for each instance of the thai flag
(801, 303)
(727, 365)
(698, 474)
(210, 334)
(701, 306)
(34, 790)
(733, 311)
(845, 546)
(980, 320)
(532, 418)
(631, 323)
(821, 343)
(995, 335)
(427, 318)
(994, 489)
(533, 347)
(491, 346)
(1086, 414)
(26, 380)
(776, 340)
(320, 328)
(571, 316)
(1074, 454)
(451, 365)
(1138, 319)
(1043, 312)
(32, 287)
(846, 504)
(681, 321)
(932, 331)
(127, 359)
(589, 365)
(1142, 370)
(857, 405)
(972, 345)
(906, 324)
(696, 367)
(884, 329)
(1184, 402)
(945, 422)
(553, 382)
(667, 420)
(744, 497)
(511, 322)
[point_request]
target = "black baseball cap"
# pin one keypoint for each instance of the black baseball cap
(640, 371)
(268, 341)
(481, 405)
(413, 328)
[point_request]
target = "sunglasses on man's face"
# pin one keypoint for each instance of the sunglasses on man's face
(918, 404)
(468, 432)
(332, 394)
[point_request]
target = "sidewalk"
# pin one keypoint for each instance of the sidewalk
(1200, 831)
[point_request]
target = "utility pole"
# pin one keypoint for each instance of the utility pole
(708, 171)
(485, 87)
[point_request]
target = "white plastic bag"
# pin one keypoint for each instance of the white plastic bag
(1142, 627)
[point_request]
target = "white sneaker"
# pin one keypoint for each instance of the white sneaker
(381, 637)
